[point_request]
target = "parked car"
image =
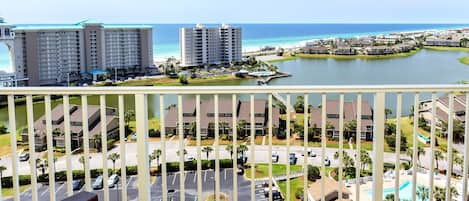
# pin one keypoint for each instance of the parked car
(24, 157)
(293, 158)
(275, 157)
(113, 180)
(327, 162)
(98, 183)
(77, 184)
(242, 159)
(240, 170)
(190, 158)
(311, 153)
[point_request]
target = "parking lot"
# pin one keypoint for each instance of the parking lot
(173, 179)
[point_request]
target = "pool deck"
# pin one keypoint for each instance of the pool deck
(422, 179)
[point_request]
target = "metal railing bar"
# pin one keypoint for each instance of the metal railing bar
(358, 148)
(341, 144)
(50, 148)
(122, 143)
(415, 147)
(432, 145)
(305, 146)
(68, 146)
(449, 157)
(217, 149)
(14, 154)
(235, 148)
(181, 149)
(398, 146)
(86, 142)
(199, 144)
(232, 89)
(288, 106)
(32, 147)
(323, 145)
(164, 182)
(253, 161)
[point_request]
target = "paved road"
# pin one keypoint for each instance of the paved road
(226, 186)
(261, 156)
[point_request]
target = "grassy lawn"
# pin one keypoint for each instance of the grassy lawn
(464, 60)
(175, 82)
(295, 185)
(8, 192)
(153, 123)
(210, 142)
(262, 170)
(5, 148)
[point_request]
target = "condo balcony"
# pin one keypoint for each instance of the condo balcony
(242, 143)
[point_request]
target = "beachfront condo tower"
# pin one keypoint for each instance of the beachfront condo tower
(202, 45)
(50, 55)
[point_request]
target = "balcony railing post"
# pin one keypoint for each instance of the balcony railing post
(235, 148)
(466, 151)
(253, 136)
(449, 157)
(341, 145)
(305, 147)
(122, 143)
(358, 150)
(323, 145)
(398, 145)
(32, 147)
(68, 146)
(378, 145)
(14, 154)
(103, 119)
(415, 147)
(199, 151)
(141, 117)
(163, 150)
(86, 142)
(50, 148)
(432, 145)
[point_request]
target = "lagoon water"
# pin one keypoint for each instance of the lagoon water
(166, 36)
(425, 67)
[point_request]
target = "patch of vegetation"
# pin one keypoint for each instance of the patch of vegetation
(464, 60)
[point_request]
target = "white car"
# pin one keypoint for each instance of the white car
(275, 157)
(113, 179)
(190, 158)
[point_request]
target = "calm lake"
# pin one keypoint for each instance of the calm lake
(425, 67)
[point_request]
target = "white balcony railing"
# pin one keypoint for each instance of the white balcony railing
(142, 144)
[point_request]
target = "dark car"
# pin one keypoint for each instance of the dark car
(24, 157)
(293, 158)
(77, 185)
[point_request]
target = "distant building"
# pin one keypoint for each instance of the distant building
(76, 127)
(49, 55)
(442, 109)
(379, 50)
(207, 117)
(331, 190)
(350, 114)
(442, 42)
(344, 50)
(210, 45)
(315, 50)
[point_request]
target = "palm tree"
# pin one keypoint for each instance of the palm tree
(389, 197)
(128, 116)
(409, 152)
(97, 141)
(184, 152)
(156, 155)
(42, 165)
(192, 128)
(113, 157)
(438, 156)
(420, 151)
(423, 193)
(229, 148)
(439, 193)
(387, 112)
(242, 148)
(82, 161)
(240, 127)
(207, 150)
(365, 158)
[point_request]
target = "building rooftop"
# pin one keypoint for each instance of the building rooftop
(80, 25)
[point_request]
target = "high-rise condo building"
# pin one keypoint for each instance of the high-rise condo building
(202, 45)
(48, 55)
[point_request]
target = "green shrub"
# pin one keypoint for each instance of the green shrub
(299, 194)
(313, 173)
(154, 133)
(281, 135)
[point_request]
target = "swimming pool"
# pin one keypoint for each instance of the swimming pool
(423, 138)
(405, 191)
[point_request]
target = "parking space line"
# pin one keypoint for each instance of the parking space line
(205, 176)
(185, 177)
(195, 198)
(174, 178)
(130, 180)
(225, 174)
(58, 189)
(45, 191)
(195, 177)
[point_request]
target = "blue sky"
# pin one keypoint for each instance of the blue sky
(236, 11)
